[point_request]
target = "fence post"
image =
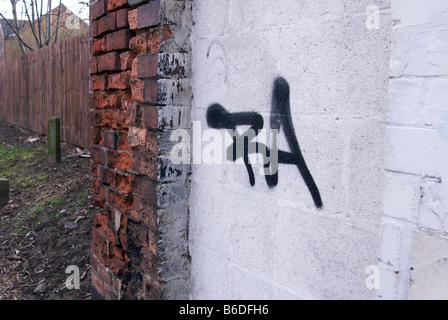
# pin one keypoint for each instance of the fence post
(4, 191)
(54, 140)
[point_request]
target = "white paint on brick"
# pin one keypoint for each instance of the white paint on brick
(419, 12)
(420, 50)
(415, 200)
(429, 268)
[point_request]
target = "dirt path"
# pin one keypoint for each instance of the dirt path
(45, 227)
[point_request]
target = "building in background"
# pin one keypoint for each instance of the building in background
(8, 41)
(70, 25)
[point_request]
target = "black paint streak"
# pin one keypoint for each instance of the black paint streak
(220, 118)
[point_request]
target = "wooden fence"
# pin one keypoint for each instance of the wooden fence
(51, 81)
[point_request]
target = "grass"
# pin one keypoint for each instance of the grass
(13, 159)
(82, 199)
(46, 204)
(18, 165)
(41, 210)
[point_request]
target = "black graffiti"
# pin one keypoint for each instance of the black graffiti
(280, 119)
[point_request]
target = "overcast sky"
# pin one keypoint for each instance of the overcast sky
(73, 5)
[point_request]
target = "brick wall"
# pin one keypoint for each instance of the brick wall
(139, 93)
(414, 225)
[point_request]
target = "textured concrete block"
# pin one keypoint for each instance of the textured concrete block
(413, 150)
(420, 51)
(429, 268)
(420, 12)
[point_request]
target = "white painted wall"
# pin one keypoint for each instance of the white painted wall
(370, 109)
(260, 243)
(415, 202)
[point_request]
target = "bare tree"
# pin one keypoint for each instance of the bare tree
(15, 24)
(43, 22)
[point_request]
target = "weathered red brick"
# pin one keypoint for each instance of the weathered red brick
(110, 138)
(132, 19)
(93, 28)
(121, 18)
(151, 289)
(118, 201)
(147, 190)
(108, 231)
(166, 32)
(117, 252)
(107, 176)
(115, 4)
(136, 137)
(133, 114)
(95, 135)
(114, 139)
(145, 90)
(123, 237)
(98, 83)
(147, 65)
(148, 165)
(109, 62)
(93, 169)
(149, 14)
(118, 160)
(99, 240)
(98, 154)
(110, 100)
(151, 91)
(135, 164)
(106, 24)
(127, 99)
(126, 59)
(98, 189)
(114, 264)
(143, 212)
(110, 293)
(123, 142)
(137, 89)
(99, 219)
(105, 275)
(147, 41)
(97, 282)
(150, 117)
(123, 183)
(97, 9)
(94, 252)
(96, 186)
(119, 81)
(150, 267)
(109, 119)
(134, 69)
(118, 40)
(98, 46)
(93, 65)
(152, 142)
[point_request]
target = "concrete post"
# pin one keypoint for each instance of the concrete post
(54, 140)
(4, 191)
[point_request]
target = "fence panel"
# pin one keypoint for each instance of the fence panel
(51, 81)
